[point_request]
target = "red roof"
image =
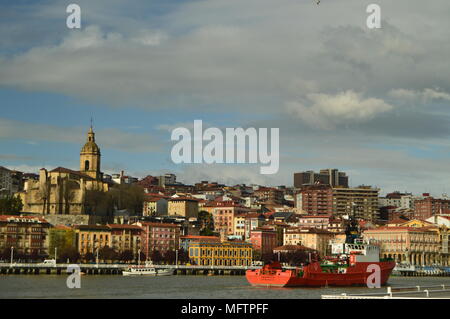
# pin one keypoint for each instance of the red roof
(293, 247)
(201, 238)
(153, 224)
(124, 226)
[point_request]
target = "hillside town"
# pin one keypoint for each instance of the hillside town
(87, 215)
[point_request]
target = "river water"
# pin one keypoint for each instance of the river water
(174, 287)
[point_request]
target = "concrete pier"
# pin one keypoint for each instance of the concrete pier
(117, 269)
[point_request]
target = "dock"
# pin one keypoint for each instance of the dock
(412, 292)
(117, 269)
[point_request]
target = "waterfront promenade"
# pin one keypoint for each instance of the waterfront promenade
(117, 269)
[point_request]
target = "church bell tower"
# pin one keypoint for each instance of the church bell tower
(90, 157)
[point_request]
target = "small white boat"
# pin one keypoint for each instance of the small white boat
(147, 270)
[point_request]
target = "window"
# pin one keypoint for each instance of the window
(86, 165)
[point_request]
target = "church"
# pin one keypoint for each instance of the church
(63, 191)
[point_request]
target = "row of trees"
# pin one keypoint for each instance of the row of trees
(10, 204)
(105, 254)
(110, 255)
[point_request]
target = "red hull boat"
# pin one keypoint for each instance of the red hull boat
(355, 263)
(314, 275)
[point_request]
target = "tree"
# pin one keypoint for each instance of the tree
(5, 254)
(126, 255)
(89, 257)
(183, 256)
(169, 257)
(129, 197)
(269, 257)
(99, 203)
(61, 239)
(206, 223)
(143, 256)
(107, 253)
(257, 255)
(156, 256)
(70, 253)
(11, 204)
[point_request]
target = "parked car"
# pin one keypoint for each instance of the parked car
(49, 262)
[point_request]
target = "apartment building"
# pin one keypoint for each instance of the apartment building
(27, 235)
(362, 201)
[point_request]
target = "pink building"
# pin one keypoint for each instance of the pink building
(159, 236)
(263, 240)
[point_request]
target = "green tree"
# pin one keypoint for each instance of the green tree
(206, 223)
(129, 197)
(61, 239)
(99, 203)
(10, 204)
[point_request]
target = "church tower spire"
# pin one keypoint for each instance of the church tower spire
(90, 156)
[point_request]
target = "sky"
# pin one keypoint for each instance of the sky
(371, 102)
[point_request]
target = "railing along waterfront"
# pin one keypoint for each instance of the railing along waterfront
(117, 269)
(412, 292)
(115, 266)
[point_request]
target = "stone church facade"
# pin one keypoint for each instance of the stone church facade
(62, 191)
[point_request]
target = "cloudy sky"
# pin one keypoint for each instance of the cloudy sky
(372, 102)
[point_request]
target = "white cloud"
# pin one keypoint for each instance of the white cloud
(248, 56)
(326, 111)
(424, 96)
(108, 138)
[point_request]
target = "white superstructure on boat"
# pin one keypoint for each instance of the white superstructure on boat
(147, 270)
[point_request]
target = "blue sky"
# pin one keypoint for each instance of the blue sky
(374, 103)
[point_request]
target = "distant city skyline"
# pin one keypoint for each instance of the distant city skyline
(371, 103)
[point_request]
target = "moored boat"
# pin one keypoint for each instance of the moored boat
(147, 270)
(352, 263)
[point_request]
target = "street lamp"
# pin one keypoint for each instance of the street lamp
(12, 254)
